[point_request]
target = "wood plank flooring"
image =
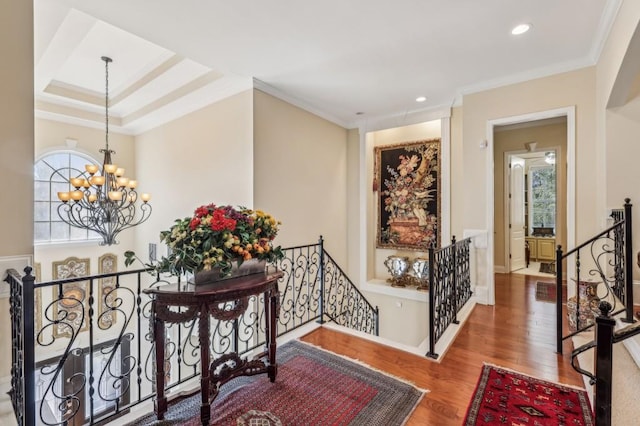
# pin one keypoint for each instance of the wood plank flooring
(517, 332)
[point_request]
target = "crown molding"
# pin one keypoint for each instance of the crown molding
(372, 124)
(526, 76)
(607, 19)
(264, 87)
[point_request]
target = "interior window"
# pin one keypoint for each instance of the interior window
(543, 198)
(51, 175)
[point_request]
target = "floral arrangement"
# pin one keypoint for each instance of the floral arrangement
(216, 237)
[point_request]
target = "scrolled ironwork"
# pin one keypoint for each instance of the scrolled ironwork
(604, 259)
(449, 287)
(313, 288)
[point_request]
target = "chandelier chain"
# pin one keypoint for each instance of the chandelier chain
(106, 60)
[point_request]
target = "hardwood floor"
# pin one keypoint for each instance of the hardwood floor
(517, 333)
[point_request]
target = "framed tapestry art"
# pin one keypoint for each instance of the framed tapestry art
(407, 178)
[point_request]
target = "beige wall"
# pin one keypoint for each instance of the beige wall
(622, 171)
(618, 127)
(547, 136)
(354, 221)
(562, 90)
(16, 146)
(457, 172)
(300, 166)
(201, 158)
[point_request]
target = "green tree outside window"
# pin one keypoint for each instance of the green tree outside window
(543, 197)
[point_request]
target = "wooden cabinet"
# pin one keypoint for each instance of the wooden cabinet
(547, 249)
(542, 249)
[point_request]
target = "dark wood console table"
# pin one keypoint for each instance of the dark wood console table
(206, 300)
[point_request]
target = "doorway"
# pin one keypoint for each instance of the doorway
(565, 159)
(531, 198)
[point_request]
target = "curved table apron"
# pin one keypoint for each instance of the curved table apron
(202, 301)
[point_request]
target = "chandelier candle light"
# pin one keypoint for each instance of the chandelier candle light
(103, 200)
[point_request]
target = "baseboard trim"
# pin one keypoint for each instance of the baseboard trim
(499, 269)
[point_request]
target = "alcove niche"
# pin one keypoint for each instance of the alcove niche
(375, 274)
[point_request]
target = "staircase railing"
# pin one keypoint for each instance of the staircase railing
(605, 338)
(609, 259)
(449, 287)
(83, 355)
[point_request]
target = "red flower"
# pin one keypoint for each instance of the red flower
(201, 211)
(219, 222)
(194, 223)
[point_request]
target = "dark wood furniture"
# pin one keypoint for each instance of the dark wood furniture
(206, 300)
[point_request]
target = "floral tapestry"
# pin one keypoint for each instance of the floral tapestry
(407, 178)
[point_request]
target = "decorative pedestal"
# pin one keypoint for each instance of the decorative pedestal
(583, 309)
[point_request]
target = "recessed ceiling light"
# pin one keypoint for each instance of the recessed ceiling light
(421, 98)
(520, 29)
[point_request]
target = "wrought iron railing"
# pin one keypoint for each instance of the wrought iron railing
(611, 258)
(608, 260)
(449, 287)
(91, 360)
(602, 377)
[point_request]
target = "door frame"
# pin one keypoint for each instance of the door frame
(570, 113)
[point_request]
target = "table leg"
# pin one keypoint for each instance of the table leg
(205, 380)
(160, 405)
(272, 331)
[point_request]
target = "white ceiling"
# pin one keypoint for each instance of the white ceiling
(333, 57)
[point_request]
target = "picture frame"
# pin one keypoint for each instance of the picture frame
(107, 293)
(72, 303)
(407, 182)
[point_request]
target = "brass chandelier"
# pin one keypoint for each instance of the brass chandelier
(103, 200)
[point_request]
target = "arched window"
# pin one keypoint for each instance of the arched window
(51, 175)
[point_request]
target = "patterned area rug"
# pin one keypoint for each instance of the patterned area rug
(313, 387)
(506, 397)
(548, 268)
(546, 292)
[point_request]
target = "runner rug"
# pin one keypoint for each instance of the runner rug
(313, 387)
(546, 292)
(504, 396)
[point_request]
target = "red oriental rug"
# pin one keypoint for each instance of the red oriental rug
(313, 387)
(507, 397)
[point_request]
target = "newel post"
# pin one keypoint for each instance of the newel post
(432, 290)
(559, 273)
(28, 347)
(604, 361)
(628, 262)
